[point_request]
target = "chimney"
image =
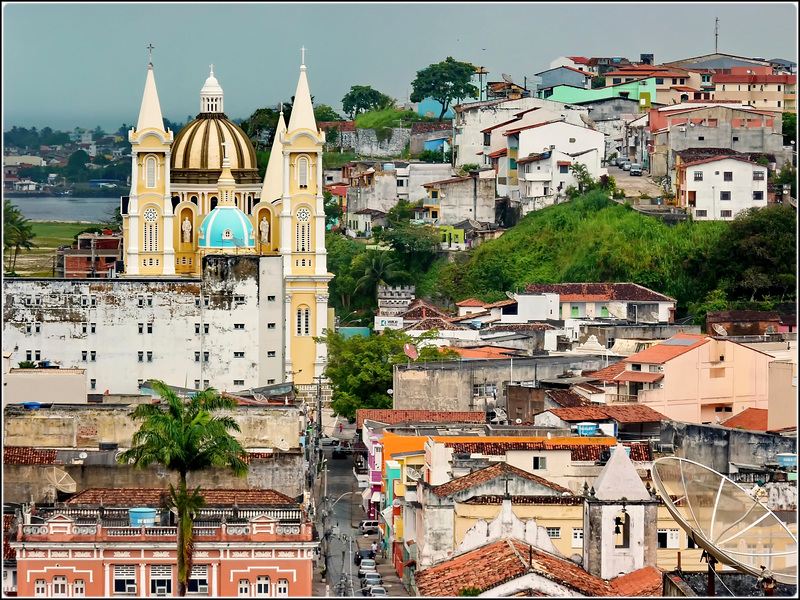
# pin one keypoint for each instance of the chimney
(672, 314)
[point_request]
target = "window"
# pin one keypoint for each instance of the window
(40, 587)
(735, 138)
(302, 172)
(270, 325)
(85, 327)
(674, 81)
(636, 367)
(149, 328)
(690, 543)
(622, 530)
(197, 384)
(238, 355)
(196, 357)
(238, 325)
(303, 231)
(238, 382)
(151, 172)
(701, 138)
(758, 195)
(205, 356)
(140, 382)
(238, 299)
(271, 354)
(700, 213)
(727, 176)
(244, 588)
(539, 463)
(84, 354)
(160, 580)
(262, 586)
(659, 81)
(282, 588)
(125, 579)
(141, 356)
(554, 533)
(79, 588)
(141, 327)
(668, 538)
(725, 214)
(93, 384)
(37, 327)
(59, 585)
(270, 381)
(563, 168)
(724, 195)
(303, 319)
(28, 327)
(698, 176)
(92, 355)
(758, 175)
(683, 81)
(270, 298)
(577, 537)
(149, 357)
(604, 311)
(434, 194)
(198, 579)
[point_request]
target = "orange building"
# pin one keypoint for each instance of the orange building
(122, 542)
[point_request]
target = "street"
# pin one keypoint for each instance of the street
(636, 185)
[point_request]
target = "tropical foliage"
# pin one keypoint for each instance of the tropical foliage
(186, 435)
(444, 82)
(361, 369)
(362, 98)
(17, 234)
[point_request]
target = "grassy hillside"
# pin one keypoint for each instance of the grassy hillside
(593, 239)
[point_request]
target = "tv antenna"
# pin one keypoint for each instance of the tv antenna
(725, 519)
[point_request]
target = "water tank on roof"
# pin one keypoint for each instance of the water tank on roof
(142, 516)
(32, 405)
(587, 428)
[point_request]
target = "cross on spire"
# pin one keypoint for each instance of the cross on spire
(212, 69)
(303, 53)
(150, 47)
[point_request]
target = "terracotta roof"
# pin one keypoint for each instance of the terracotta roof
(716, 158)
(9, 553)
(507, 302)
(20, 455)
(789, 79)
(608, 373)
(584, 451)
(433, 323)
(482, 313)
(391, 416)
(647, 581)
(521, 327)
(499, 153)
(635, 413)
(451, 180)
(155, 496)
(568, 398)
(418, 309)
(471, 302)
(597, 291)
(592, 389)
(489, 473)
(726, 316)
(639, 376)
(489, 566)
(578, 59)
(752, 419)
(661, 353)
(484, 352)
(549, 500)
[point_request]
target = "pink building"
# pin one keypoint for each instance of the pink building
(122, 542)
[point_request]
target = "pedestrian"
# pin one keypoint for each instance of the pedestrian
(340, 428)
(375, 548)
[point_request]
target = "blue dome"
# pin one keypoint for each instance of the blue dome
(226, 227)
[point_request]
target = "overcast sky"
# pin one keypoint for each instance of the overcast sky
(69, 65)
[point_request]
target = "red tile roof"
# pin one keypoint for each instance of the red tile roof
(471, 302)
(498, 153)
(489, 566)
(647, 581)
(716, 158)
(391, 416)
(507, 302)
(9, 553)
(640, 451)
(639, 376)
(418, 309)
(451, 180)
(634, 413)
(469, 316)
(661, 353)
(752, 419)
(485, 352)
(21, 455)
(592, 389)
(579, 413)
(489, 473)
(568, 398)
(598, 291)
(155, 496)
(433, 323)
(608, 373)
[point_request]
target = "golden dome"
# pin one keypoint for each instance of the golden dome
(197, 151)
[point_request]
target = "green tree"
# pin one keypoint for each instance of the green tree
(342, 252)
(470, 591)
(186, 436)
(598, 81)
(789, 129)
(17, 233)
(27, 364)
(415, 246)
(445, 82)
(324, 113)
(787, 174)
(377, 267)
(362, 98)
(76, 166)
(97, 133)
(715, 300)
(361, 369)
(401, 213)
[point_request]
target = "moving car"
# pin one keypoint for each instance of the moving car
(636, 169)
(367, 565)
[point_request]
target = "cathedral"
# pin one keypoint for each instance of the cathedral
(218, 264)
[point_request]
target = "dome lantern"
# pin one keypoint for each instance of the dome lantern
(211, 95)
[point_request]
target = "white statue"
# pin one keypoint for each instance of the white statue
(263, 227)
(187, 230)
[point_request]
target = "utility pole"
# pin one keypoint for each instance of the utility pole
(716, 34)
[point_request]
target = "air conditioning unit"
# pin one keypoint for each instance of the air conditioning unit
(130, 588)
(202, 589)
(681, 128)
(552, 146)
(161, 590)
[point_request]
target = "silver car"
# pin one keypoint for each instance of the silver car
(636, 169)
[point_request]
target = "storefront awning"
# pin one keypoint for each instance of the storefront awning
(376, 497)
(638, 376)
(366, 493)
(386, 513)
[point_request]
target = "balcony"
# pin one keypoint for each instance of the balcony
(621, 399)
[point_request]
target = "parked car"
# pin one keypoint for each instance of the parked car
(636, 169)
(362, 554)
(338, 453)
(621, 162)
(613, 161)
(627, 166)
(370, 580)
(368, 527)
(345, 446)
(367, 565)
(327, 440)
(378, 590)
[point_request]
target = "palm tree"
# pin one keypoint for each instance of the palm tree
(378, 268)
(17, 232)
(185, 435)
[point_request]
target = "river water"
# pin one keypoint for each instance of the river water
(64, 208)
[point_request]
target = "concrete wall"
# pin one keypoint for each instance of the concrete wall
(782, 395)
(716, 446)
(283, 472)
(393, 144)
(44, 385)
(647, 332)
(471, 199)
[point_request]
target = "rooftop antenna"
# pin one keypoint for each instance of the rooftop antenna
(716, 34)
(150, 47)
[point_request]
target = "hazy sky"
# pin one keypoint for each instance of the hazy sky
(84, 64)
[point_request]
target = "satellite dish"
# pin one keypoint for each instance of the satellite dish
(410, 351)
(83, 455)
(499, 415)
(61, 480)
(725, 519)
(616, 310)
(518, 421)
(654, 315)
(719, 329)
(282, 445)
(413, 473)
(507, 78)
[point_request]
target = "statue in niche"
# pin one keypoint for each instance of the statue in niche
(263, 227)
(186, 226)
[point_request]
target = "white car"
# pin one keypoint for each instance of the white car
(378, 590)
(327, 440)
(367, 566)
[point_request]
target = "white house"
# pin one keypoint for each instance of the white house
(721, 187)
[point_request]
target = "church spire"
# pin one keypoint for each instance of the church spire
(226, 184)
(150, 111)
(273, 177)
(302, 110)
(211, 95)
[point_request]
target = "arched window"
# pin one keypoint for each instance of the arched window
(244, 588)
(262, 586)
(303, 231)
(302, 172)
(303, 321)
(39, 587)
(151, 172)
(622, 530)
(283, 588)
(79, 588)
(150, 230)
(60, 586)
